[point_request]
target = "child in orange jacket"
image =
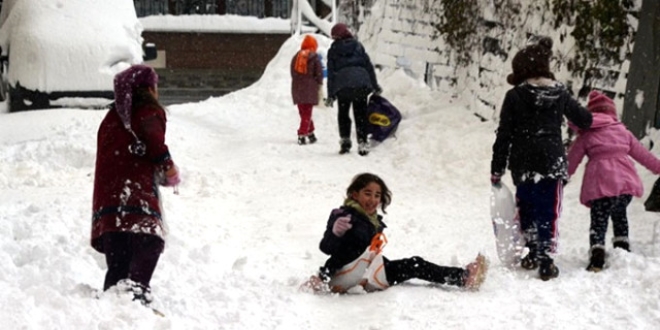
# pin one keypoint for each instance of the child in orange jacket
(306, 82)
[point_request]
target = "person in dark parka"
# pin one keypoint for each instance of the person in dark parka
(306, 81)
(529, 139)
(132, 160)
(351, 78)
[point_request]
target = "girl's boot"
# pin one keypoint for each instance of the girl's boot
(597, 261)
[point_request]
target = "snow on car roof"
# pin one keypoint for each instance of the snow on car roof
(73, 45)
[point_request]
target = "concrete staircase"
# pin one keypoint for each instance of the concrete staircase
(177, 86)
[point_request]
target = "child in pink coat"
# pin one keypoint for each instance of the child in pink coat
(610, 179)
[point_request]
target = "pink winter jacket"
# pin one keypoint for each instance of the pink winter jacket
(609, 172)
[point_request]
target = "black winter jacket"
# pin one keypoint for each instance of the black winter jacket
(343, 250)
(349, 66)
(529, 132)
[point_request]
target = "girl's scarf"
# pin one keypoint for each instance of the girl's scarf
(301, 61)
(373, 218)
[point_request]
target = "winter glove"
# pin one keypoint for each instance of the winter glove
(378, 90)
(342, 225)
(172, 177)
(496, 180)
(329, 101)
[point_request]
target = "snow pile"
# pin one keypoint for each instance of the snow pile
(253, 206)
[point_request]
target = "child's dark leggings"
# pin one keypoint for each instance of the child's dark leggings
(601, 210)
(131, 256)
(401, 270)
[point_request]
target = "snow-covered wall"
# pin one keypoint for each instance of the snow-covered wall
(398, 33)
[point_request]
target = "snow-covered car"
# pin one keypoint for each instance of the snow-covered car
(66, 52)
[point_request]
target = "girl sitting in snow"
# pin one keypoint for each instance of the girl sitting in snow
(610, 179)
(354, 240)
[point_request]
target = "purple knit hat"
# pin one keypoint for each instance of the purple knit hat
(125, 83)
(340, 31)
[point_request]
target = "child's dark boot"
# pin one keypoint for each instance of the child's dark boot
(597, 260)
(621, 243)
(345, 145)
(547, 268)
(529, 262)
(312, 138)
(301, 140)
(363, 148)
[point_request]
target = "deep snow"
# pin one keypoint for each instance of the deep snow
(253, 205)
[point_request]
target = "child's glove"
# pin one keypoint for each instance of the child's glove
(172, 177)
(342, 225)
(329, 101)
(496, 180)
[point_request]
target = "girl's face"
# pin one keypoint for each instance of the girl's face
(368, 197)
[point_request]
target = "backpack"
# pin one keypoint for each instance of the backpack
(383, 118)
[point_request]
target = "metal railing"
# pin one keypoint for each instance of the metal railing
(257, 8)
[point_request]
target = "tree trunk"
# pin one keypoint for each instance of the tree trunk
(641, 106)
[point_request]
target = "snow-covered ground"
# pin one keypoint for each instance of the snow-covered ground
(253, 205)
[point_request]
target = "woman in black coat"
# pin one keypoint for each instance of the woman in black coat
(351, 78)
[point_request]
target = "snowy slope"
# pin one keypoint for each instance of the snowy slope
(245, 228)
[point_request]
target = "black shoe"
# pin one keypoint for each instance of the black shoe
(141, 294)
(363, 148)
(597, 261)
(622, 245)
(312, 138)
(345, 146)
(548, 270)
(301, 140)
(529, 262)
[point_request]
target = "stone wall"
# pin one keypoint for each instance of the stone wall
(400, 35)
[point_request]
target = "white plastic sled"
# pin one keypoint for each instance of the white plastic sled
(508, 236)
(367, 270)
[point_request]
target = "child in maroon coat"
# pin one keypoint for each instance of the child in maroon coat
(132, 160)
(306, 81)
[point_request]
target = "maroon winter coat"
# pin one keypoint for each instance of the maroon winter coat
(305, 87)
(126, 196)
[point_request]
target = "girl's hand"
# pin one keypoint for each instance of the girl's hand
(172, 177)
(342, 225)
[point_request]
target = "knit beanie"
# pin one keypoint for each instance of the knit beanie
(126, 82)
(340, 31)
(532, 61)
(599, 102)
